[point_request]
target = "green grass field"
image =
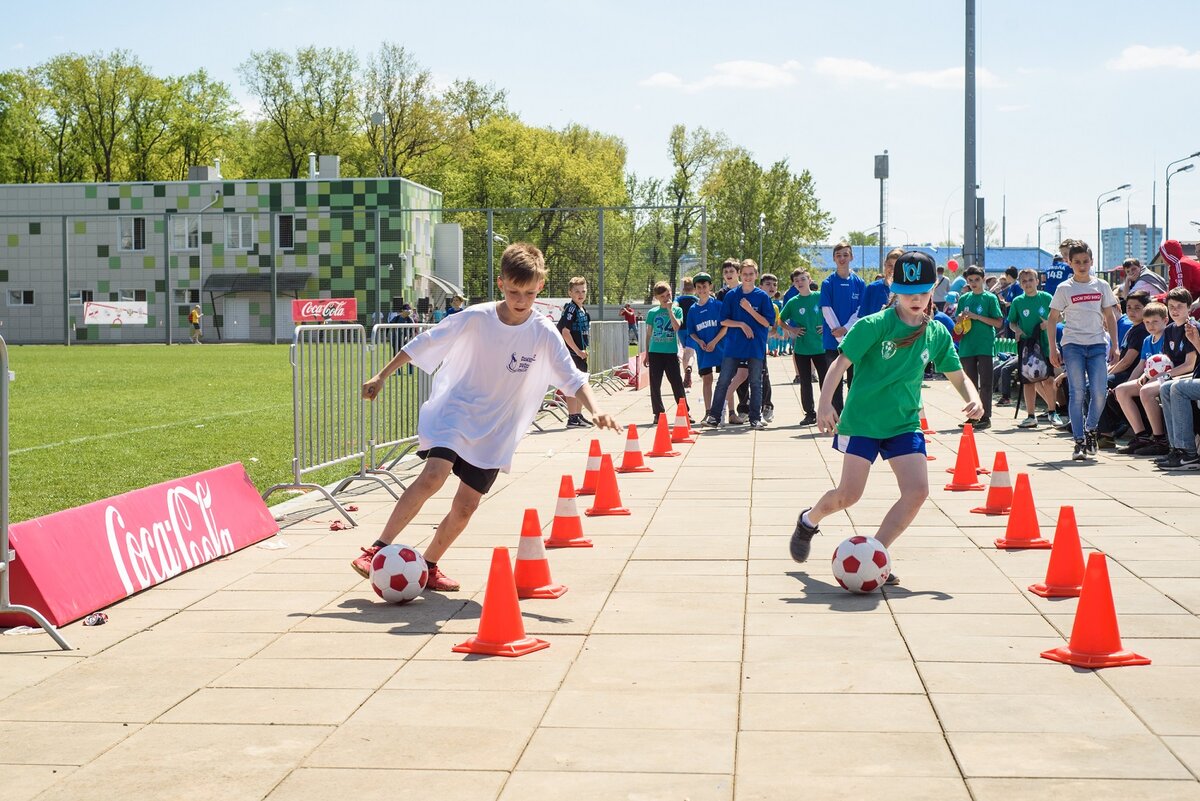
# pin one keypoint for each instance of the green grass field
(94, 421)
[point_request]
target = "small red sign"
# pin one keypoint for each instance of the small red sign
(325, 310)
(76, 561)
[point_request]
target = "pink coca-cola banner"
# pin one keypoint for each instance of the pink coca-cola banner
(322, 310)
(73, 562)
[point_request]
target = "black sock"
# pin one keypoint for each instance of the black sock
(431, 565)
(380, 544)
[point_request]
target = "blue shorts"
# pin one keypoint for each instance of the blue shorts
(869, 448)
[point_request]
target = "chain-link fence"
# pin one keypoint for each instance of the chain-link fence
(137, 276)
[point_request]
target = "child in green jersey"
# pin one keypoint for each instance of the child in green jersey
(881, 416)
(1028, 315)
(801, 318)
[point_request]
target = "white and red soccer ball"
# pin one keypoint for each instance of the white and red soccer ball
(1158, 366)
(398, 573)
(861, 564)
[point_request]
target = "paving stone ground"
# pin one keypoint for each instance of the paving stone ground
(691, 658)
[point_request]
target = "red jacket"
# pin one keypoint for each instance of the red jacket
(1181, 270)
(629, 314)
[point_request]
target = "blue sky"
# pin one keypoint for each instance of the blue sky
(1075, 97)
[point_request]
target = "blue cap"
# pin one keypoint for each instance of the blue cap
(914, 273)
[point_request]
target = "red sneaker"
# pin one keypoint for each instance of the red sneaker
(362, 565)
(440, 582)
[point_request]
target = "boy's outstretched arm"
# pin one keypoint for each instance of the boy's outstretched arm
(974, 408)
(370, 389)
(600, 418)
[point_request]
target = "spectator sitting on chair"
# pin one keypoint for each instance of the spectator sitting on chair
(1112, 419)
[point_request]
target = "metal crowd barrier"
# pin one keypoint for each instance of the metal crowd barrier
(7, 556)
(608, 350)
(394, 410)
(329, 421)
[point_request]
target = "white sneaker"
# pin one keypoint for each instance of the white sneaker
(1028, 422)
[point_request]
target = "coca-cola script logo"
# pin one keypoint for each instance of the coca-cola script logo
(320, 310)
(158, 550)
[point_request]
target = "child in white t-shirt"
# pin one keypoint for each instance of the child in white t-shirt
(493, 362)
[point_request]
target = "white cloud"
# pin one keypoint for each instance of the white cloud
(1141, 57)
(852, 69)
(730, 75)
(1012, 108)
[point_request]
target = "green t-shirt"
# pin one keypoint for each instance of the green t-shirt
(885, 398)
(981, 339)
(1027, 313)
(804, 311)
(663, 337)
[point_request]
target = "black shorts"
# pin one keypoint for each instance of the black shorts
(195, 326)
(580, 364)
(707, 370)
(477, 478)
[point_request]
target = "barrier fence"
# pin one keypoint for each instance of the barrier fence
(7, 556)
(333, 424)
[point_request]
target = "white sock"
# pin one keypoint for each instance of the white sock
(805, 519)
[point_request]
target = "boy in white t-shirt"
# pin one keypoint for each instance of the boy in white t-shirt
(1086, 307)
(493, 362)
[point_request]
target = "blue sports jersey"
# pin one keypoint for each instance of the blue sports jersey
(844, 297)
(791, 293)
(737, 344)
(704, 320)
(1150, 347)
(1056, 273)
(875, 298)
(945, 320)
(1123, 326)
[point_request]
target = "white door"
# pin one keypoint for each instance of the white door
(285, 327)
(237, 318)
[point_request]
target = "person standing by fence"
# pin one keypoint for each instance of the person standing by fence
(663, 324)
(574, 325)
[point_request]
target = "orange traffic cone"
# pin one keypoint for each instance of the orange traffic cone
(1095, 639)
(925, 429)
(608, 496)
(1064, 575)
(929, 457)
(999, 497)
(501, 631)
(965, 466)
(567, 529)
(532, 572)
(632, 461)
(592, 474)
(967, 443)
(681, 432)
(1023, 531)
(662, 439)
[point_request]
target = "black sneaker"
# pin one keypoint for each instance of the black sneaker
(797, 380)
(809, 419)
(1089, 442)
(758, 425)
(1157, 447)
(1138, 441)
(576, 421)
(1171, 461)
(709, 422)
(1189, 461)
(586, 422)
(802, 536)
(982, 425)
(892, 580)
(1080, 451)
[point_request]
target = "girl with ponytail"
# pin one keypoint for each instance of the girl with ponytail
(881, 418)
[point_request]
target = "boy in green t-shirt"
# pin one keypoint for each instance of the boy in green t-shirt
(662, 351)
(1028, 315)
(980, 317)
(801, 318)
(889, 351)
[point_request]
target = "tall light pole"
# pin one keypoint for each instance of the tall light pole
(1046, 218)
(1171, 174)
(762, 225)
(1167, 222)
(970, 181)
(1099, 203)
(901, 230)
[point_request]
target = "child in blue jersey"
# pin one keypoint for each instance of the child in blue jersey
(749, 312)
(705, 332)
(841, 297)
(877, 294)
(1059, 269)
(882, 411)
(685, 301)
(574, 325)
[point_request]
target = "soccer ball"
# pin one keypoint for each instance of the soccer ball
(861, 564)
(398, 573)
(1158, 365)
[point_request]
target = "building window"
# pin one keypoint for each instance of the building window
(239, 232)
(20, 297)
(78, 297)
(187, 295)
(286, 235)
(132, 295)
(133, 234)
(185, 233)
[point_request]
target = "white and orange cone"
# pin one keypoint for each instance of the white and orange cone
(532, 573)
(1000, 494)
(632, 461)
(681, 432)
(591, 476)
(567, 529)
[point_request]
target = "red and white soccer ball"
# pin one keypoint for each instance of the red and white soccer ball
(398, 573)
(861, 564)
(1158, 366)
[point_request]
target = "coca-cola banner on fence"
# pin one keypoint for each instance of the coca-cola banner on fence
(325, 310)
(71, 563)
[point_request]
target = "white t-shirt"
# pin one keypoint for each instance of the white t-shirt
(1082, 307)
(490, 382)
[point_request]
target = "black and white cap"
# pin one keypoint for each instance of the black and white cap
(915, 272)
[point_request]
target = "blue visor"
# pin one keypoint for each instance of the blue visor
(910, 289)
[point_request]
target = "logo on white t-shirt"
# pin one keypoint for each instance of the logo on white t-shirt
(520, 364)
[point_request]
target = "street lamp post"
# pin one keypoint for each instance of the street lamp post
(762, 224)
(1167, 224)
(901, 230)
(1050, 216)
(1099, 203)
(1171, 174)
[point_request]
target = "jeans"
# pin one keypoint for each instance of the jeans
(804, 368)
(979, 370)
(1178, 398)
(1087, 372)
(728, 369)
